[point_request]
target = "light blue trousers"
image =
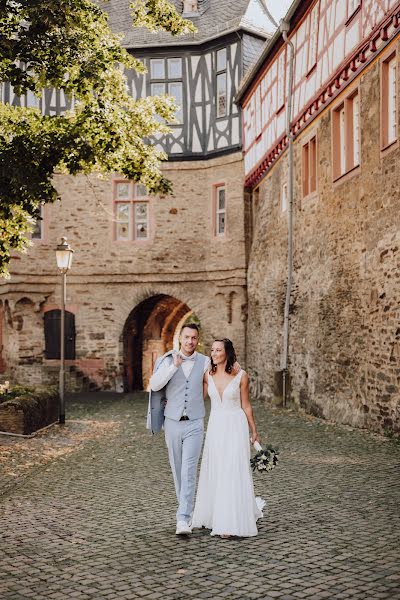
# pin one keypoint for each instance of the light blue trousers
(184, 440)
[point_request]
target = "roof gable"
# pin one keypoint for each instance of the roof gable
(215, 18)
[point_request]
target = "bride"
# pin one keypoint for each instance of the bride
(225, 501)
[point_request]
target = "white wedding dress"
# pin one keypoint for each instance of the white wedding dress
(225, 501)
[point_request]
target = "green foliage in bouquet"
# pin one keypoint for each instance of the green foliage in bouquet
(265, 459)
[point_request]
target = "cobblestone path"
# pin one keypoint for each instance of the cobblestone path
(98, 521)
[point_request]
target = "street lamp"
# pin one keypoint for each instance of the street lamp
(64, 260)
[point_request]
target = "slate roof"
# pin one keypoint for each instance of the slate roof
(216, 17)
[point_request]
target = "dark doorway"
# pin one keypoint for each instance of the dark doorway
(52, 326)
(148, 333)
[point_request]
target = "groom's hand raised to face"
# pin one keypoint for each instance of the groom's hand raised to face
(177, 358)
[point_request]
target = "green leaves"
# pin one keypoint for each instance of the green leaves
(159, 14)
(68, 45)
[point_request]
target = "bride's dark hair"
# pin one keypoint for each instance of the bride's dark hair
(230, 356)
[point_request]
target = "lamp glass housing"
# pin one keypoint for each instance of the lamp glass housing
(64, 254)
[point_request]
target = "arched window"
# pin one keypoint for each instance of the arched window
(52, 324)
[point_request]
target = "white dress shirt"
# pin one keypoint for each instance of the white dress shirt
(160, 378)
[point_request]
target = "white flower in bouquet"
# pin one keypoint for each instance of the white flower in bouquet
(265, 459)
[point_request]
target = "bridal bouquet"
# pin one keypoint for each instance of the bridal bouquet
(265, 459)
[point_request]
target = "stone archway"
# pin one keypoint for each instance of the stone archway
(149, 331)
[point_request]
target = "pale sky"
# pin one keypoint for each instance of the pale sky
(277, 8)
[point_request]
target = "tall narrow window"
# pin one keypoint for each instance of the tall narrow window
(355, 113)
(389, 103)
(313, 38)
(131, 211)
(221, 83)
(38, 230)
(281, 79)
(342, 143)
(258, 113)
(220, 210)
(309, 167)
(346, 135)
(166, 78)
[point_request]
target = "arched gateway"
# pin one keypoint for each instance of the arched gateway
(149, 331)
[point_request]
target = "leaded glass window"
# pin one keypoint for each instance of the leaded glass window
(166, 78)
(220, 210)
(221, 98)
(131, 211)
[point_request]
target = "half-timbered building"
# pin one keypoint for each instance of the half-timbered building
(143, 265)
(342, 222)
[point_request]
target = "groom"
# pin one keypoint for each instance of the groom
(176, 401)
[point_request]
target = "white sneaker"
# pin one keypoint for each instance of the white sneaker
(182, 528)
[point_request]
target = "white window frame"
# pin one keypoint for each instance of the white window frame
(281, 80)
(258, 112)
(219, 211)
(313, 38)
(132, 200)
(392, 83)
(163, 85)
(346, 134)
(342, 138)
(355, 108)
(221, 72)
(309, 166)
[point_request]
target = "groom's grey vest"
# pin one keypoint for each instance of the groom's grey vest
(180, 393)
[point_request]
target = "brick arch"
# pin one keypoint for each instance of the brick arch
(149, 332)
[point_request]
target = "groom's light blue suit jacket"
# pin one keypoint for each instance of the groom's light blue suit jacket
(180, 392)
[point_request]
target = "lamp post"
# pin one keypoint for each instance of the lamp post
(64, 260)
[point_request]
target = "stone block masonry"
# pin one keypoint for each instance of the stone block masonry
(183, 260)
(345, 305)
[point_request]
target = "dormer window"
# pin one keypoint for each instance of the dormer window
(190, 8)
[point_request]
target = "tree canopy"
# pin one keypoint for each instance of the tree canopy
(68, 45)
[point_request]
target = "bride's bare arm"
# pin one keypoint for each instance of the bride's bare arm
(205, 384)
(246, 406)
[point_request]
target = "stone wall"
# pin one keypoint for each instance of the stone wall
(183, 259)
(345, 308)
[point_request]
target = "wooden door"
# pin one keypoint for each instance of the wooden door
(52, 326)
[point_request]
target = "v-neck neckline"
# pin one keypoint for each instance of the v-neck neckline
(226, 387)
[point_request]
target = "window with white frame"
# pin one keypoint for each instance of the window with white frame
(354, 104)
(309, 166)
(166, 78)
(222, 108)
(389, 86)
(313, 38)
(284, 198)
(38, 230)
(131, 211)
(220, 210)
(281, 79)
(346, 135)
(258, 112)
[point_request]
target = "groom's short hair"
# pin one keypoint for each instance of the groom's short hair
(191, 326)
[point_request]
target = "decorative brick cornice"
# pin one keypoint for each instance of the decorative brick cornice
(363, 55)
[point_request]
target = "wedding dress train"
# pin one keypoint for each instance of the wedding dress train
(225, 501)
